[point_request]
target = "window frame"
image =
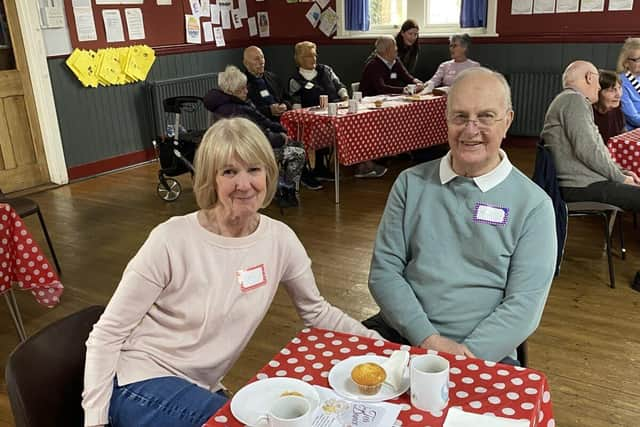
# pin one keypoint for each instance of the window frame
(418, 11)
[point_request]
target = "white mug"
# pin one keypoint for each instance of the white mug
(357, 96)
(288, 411)
(429, 382)
(353, 105)
(411, 89)
(332, 109)
(296, 106)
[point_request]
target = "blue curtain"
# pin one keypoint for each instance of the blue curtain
(473, 13)
(357, 15)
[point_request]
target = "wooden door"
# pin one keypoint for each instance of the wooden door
(22, 159)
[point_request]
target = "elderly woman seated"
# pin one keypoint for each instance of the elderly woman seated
(305, 87)
(194, 294)
(628, 66)
(606, 111)
(230, 100)
(447, 71)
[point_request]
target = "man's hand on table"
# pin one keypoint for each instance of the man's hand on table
(631, 178)
(440, 343)
(277, 109)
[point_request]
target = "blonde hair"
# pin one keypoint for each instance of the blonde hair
(301, 48)
(228, 138)
(231, 80)
(630, 44)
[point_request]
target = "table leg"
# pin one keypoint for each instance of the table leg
(336, 170)
(10, 298)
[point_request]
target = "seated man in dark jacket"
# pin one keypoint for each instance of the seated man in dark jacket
(383, 73)
(265, 89)
(231, 101)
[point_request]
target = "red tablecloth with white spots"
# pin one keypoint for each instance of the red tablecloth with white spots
(625, 150)
(475, 385)
(371, 134)
(23, 263)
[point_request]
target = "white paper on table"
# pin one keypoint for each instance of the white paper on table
(85, 25)
(113, 25)
(334, 411)
(458, 418)
(263, 24)
(163, 2)
(235, 17)
(242, 5)
(521, 7)
(544, 6)
(195, 8)
(566, 6)
(135, 23)
(207, 29)
(219, 36)
(322, 3)
(205, 9)
(192, 28)
(328, 22)
(591, 5)
(253, 27)
(313, 15)
(215, 14)
(620, 4)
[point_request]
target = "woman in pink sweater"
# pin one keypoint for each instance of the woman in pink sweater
(193, 295)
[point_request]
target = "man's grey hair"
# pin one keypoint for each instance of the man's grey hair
(383, 43)
(231, 80)
(486, 72)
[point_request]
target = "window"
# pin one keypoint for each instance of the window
(437, 18)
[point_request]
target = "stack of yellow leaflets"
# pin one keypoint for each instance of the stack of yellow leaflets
(83, 64)
(139, 62)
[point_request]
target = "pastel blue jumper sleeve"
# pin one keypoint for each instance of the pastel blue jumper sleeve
(629, 102)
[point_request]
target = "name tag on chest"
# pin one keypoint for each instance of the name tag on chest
(484, 213)
(393, 76)
(264, 93)
(251, 278)
(308, 86)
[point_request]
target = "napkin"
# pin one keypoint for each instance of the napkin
(395, 366)
(458, 418)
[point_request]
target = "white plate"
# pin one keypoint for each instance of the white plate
(340, 380)
(255, 399)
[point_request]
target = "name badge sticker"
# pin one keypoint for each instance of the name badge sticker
(264, 93)
(394, 76)
(251, 278)
(308, 86)
(490, 214)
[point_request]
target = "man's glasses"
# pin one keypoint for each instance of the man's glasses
(482, 122)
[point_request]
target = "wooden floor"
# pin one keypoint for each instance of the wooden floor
(588, 343)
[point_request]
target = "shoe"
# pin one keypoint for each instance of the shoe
(309, 181)
(635, 285)
(323, 174)
(284, 199)
(376, 171)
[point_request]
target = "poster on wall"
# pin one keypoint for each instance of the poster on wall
(192, 28)
(592, 6)
(219, 36)
(544, 6)
(328, 22)
(253, 27)
(135, 23)
(205, 8)
(207, 30)
(313, 15)
(215, 14)
(620, 4)
(521, 7)
(567, 6)
(322, 3)
(235, 17)
(263, 24)
(85, 25)
(113, 25)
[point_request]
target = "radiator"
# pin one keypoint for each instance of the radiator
(531, 94)
(197, 85)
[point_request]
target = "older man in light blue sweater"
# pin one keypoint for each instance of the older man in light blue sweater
(465, 252)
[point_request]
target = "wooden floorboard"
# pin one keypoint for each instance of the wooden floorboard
(588, 342)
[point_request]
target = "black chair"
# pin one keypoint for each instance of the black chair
(25, 207)
(523, 354)
(44, 374)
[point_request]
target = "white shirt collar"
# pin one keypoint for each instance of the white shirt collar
(308, 74)
(389, 64)
(484, 182)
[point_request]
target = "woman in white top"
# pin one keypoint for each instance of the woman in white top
(193, 295)
(447, 71)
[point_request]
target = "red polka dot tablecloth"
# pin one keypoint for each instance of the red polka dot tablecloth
(475, 385)
(372, 134)
(22, 262)
(625, 150)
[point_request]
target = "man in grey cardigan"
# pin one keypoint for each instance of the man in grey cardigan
(586, 171)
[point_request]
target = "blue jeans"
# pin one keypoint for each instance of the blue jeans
(163, 402)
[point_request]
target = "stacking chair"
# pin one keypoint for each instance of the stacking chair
(25, 207)
(523, 354)
(44, 374)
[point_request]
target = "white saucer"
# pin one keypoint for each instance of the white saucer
(255, 399)
(340, 380)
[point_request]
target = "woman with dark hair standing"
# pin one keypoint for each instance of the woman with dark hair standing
(407, 42)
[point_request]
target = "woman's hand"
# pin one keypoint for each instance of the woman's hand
(634, 178)
(440, 343)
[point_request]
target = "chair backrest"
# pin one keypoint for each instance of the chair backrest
(44, 374)
(546, 177)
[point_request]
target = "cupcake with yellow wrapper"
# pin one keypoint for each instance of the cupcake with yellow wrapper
(368, 377)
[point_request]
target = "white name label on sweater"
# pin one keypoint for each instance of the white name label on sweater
(393, 76)
(264, 93)
(490, 214)
(251, 278)
(308, 86)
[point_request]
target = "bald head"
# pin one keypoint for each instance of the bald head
(386, 47)
(582, 76)
(483, 76)
(253, 60)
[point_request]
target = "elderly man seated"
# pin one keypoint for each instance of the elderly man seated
(586, 171)
(265, 88)
(465, 251)
(383, 73)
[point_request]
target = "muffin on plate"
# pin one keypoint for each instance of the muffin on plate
(368, 377)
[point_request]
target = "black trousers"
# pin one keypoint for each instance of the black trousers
(624, 196)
